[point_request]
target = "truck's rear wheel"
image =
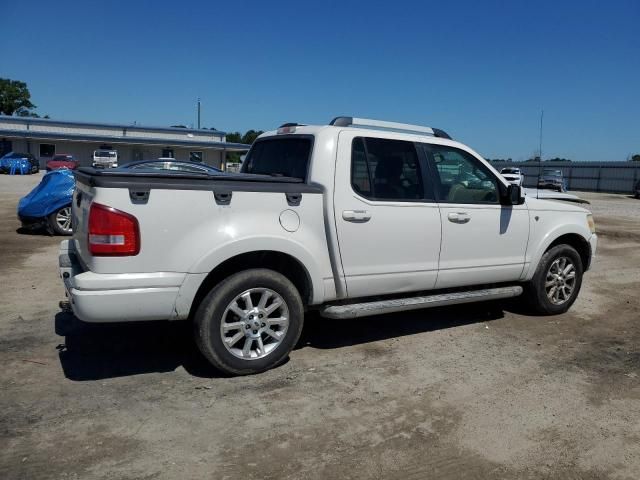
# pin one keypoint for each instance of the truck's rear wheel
(557, 281)
(249, 322)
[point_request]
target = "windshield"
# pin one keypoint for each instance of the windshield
(104, 154)
(279, 156)
(552, 173)
(510, 170)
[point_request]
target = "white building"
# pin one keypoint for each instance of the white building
(45, 138)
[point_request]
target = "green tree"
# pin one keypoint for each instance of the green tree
(15, 98)
(251, 136)
(234, 137)
(635, 158)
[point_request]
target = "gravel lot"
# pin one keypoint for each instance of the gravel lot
(474, 392)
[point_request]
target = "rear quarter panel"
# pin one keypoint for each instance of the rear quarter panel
(187, 231)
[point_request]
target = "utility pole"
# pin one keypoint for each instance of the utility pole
(198, 113)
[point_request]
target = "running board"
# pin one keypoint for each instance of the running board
(380, 307)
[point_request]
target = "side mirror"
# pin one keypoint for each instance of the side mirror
(514, 195)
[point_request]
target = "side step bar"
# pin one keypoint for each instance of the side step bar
(380, 307)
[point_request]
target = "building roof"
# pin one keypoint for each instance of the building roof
(44, 121)
(46, 129)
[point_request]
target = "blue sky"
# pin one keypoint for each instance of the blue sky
(480, 70)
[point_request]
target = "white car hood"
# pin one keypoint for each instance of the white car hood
(548, 200)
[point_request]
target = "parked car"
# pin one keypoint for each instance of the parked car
(171, 164)
(512, 175)
(105, 158)
(6, 160)
(62, 160)
(351, 219)
(48, 205)
(552, 178)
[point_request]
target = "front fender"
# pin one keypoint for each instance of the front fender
(538, 246)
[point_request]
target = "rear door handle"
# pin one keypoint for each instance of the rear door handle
(356, 216)
(459, 217)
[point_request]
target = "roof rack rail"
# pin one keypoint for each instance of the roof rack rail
(383, 125)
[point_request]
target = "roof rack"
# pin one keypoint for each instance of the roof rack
(391, 126)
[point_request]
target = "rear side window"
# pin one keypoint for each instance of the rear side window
(384, 169)
(285, 157)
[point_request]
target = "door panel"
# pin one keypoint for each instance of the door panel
(390, 245)
(482, 240)
(487, 248)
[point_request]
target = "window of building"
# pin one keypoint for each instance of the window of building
(195, 156)
(462, 178)
(167, 153)
(384, 169)
(47, 150)
(5, 146)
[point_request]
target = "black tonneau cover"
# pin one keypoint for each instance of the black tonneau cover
(176, 180)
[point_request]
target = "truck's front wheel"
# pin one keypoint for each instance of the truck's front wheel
(249, 322)
(557, 281)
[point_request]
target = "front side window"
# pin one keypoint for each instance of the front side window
(462, 178)
(384, 169)
(279, 157)
(195, 157)
(167, 153)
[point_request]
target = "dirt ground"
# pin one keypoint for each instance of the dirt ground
(457, 393)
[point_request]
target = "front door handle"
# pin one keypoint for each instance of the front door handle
(356, 216)
(459, 217)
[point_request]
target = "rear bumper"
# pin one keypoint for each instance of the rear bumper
(121, 297)
(550, 185)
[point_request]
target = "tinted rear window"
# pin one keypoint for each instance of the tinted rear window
(287, 157)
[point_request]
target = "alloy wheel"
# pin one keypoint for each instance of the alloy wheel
(254, 323)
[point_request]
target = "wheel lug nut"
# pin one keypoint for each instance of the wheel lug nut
(250, 317)
(255, 331)
(247, 327)
(263, 324)
(260, 316)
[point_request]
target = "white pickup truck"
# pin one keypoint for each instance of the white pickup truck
(358, 217)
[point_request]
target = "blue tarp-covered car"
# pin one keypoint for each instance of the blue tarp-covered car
(49, 204)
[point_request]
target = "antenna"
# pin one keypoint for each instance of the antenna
(540, 149)
(198, 113)
(540, 155)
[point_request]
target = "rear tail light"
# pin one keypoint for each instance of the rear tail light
(112, 232)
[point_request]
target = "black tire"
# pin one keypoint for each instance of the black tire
(210, 315)
(535, 291)
(54, 224)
